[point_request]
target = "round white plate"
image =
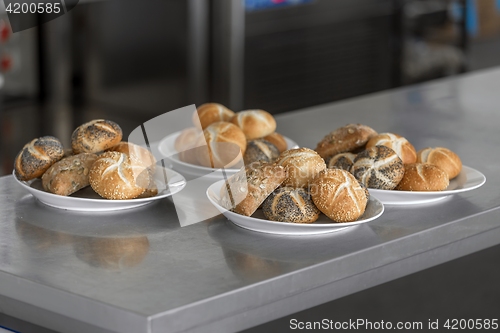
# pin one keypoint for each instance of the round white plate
(258, 222)
(87, 200)
(166, 147)
(468, 179)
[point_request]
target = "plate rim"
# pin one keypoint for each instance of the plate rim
(200, 168)
(102, 201)
(334, 226)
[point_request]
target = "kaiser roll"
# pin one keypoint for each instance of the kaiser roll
(37, 156)
(378, 167)
(255, 123)
(278, 140)
(345, 139)
(338, 195)
(396, 142)
(442, 157)
(260, 150)
(112, 176)
(288, 204)
(225, 145)
(302, 165)
(95, 136)
(423, 177)
(210, 113)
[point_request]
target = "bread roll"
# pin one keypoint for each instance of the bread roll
(399, 144)
(247, 189)
(302, 165)
(210, 113)
(260, 150)
(338, 195)
(342, 161)
(278, 140)
(185, 144)
(113, 177)
(69, 175)
(423, 177)
(378, 167)
(442, 157)
(349, 138)
(138, 155)
(37, 156)
(225, 145)
(95, 136)
(288, 204)
(255, 123)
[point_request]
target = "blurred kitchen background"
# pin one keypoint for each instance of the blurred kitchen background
(130, 61)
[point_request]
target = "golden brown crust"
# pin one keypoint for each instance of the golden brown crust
(442, 157)
(69, 175)
(345, 139)
(378, 167)
(288, 204)
(396, 142)
(37, 156)
(210, 113)
(338, 195)
(423, 177)
(302, 165)
(246, 190)
(225, 145)
(255, 123)
(138, 155)
(113, 177)
(95, 136)
(278, 140)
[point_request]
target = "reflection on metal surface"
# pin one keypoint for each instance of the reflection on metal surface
(254, 256)
(40, 239)
(112, 253)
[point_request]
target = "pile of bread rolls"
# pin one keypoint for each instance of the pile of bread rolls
(296, 188)
(388, 161)
(221, 137)
(98, 157)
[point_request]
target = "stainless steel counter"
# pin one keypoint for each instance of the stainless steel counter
(140, 271)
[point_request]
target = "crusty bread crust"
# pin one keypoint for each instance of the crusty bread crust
(225, 145)
(338, 195)
(69, 175)
(378, 167)
(423, 177)
(113, 177)
(246, 190)
(255, 123)
(302, 164)
(396, 142)
(138, 155)
(95, 136)
(349, 138)
(288, 204)
(442, 157)
(278, 140)
(37, 156)
(210, 113)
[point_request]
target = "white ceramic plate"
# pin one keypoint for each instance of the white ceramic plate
(87, 200)
(258, 222)
(468, 179)
(167, 149)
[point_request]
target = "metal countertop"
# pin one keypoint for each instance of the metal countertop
(140, 271)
